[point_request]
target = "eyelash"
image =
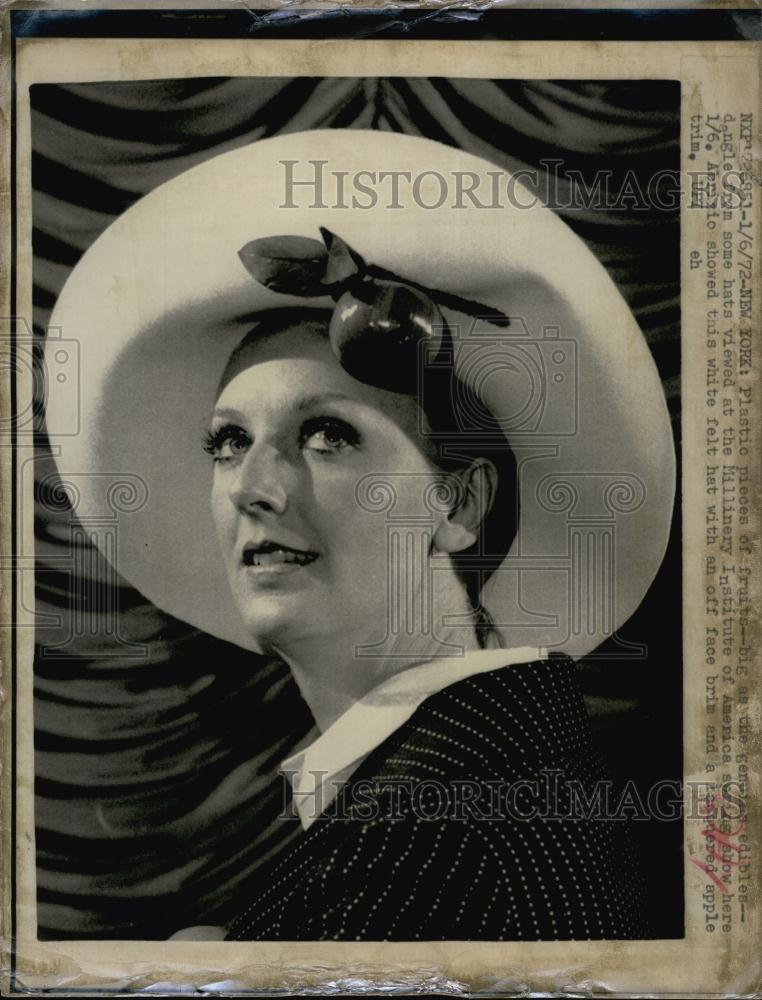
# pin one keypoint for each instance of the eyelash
(216, 439)
(315, 425)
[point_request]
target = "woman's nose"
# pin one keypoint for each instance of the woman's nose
(261, 483)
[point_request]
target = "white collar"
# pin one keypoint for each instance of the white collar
(318, 771)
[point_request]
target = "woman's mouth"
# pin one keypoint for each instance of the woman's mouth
(274, 558)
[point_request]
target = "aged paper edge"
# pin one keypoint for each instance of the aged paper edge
(381, 5)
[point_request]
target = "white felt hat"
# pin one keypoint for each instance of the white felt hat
(161, 298)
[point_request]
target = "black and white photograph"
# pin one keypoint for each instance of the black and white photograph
(354, 455)
(397, 467)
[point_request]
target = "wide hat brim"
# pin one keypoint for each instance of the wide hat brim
(161, 298)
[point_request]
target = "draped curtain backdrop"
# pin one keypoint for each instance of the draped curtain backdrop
(157, 788)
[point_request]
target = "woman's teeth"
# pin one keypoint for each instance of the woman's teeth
(278, 557)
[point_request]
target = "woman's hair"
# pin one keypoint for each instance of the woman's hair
(463, 430)
(458, 430)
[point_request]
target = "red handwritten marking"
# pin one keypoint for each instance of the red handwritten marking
(714, 835)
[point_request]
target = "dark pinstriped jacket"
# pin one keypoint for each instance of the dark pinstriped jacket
(483, 817)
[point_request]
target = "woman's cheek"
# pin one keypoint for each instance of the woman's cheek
(224, 515)
(218, 510)
(356, 537)
(359, 536)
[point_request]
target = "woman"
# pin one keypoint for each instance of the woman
(291, 436)
(448, 795)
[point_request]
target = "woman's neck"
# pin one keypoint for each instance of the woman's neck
(335, 671)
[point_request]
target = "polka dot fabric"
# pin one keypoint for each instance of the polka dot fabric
(476, 820)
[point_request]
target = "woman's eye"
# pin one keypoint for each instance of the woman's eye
(327, 435)
(227, 443)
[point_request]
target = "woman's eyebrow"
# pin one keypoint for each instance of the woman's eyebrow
(316, 399)
(299, 405)
(227, 413)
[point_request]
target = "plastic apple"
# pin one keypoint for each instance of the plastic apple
(377, 329)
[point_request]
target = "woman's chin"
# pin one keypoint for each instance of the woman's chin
(271, 620)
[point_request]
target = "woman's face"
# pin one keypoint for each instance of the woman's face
(292, 435)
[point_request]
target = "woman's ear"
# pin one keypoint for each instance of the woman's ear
(478, 485)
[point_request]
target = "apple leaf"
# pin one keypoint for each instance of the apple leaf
(292, 265)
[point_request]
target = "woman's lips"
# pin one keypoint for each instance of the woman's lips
(272, 559)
